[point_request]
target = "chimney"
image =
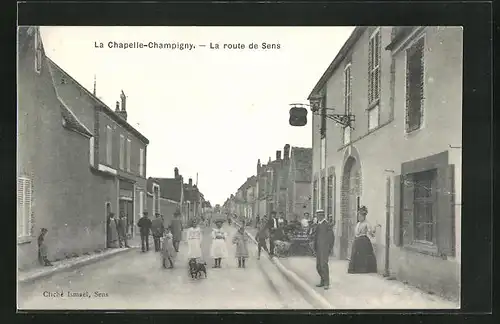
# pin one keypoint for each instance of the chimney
(123, 112)
(286, 152)
(269, 160)
(258, 166)
(278, 155)
(176, 173)
(117, 109)
(190, 182)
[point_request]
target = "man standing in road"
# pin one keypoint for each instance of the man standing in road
(323, 245)
(122, 230)
(176, 229)
(272, 225)
(157, 229)
(145, 226)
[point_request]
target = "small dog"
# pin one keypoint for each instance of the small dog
(197, 268)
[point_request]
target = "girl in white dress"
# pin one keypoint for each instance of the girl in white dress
(219, 247)
(194, 237)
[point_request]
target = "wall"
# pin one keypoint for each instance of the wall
(59, 162)
(442, 128)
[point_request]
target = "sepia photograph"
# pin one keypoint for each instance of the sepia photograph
(254, 168)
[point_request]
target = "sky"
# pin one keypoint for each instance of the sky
(211, 112)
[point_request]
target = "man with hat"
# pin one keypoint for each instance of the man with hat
(145, 226)
(176, 229)
(272, 225)
(157, 229)
(323, 244)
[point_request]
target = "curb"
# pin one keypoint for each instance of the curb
(71, 266)
(318, 300)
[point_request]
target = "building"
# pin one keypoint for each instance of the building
(118, 149)
(402, 158)
(165, 196)
(298, 189)
(192, 201)
(69, 178)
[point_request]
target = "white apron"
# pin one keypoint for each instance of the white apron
(193, 236)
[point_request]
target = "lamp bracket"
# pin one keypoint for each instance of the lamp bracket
(346, 120)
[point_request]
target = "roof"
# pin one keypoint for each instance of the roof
(104, 107)
(398, 34)
(170, 188)
(302, 160)
(70, 121)
(355, 35)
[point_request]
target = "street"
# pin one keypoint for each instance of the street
(135, 280)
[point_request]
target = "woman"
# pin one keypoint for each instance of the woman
(241, 241)
(42, 249)
(113, 231)
(194, 240)
(362, 256)
(219, 247)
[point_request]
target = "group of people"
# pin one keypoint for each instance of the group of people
(218, 249)
(322, 239)
(117, 231)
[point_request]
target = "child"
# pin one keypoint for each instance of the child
(194, 237)
(219, 249)
(168, 251)
(241, 241)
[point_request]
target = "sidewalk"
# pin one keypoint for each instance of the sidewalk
(364, 291)
(30, 275)
(356, 291)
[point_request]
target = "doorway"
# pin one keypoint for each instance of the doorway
(127, 208)
(350, 202)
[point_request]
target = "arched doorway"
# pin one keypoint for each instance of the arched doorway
(350, 201)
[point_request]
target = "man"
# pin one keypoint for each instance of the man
(122, 230)
(157, 229)
(257, 221)
(145, 226)
(176, 229)
(261, 237)
(323, 245)
(272, 225)
(42, 249)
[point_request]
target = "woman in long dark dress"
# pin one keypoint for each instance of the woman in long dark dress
(363, 258)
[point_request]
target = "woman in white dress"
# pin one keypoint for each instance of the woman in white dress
(218, 250)
(194, 240)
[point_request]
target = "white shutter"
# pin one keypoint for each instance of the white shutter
(24, 200)
(122, 152)
(91, 151)
(20, 207)
(129, 144)
(109, 147)
(141, 163)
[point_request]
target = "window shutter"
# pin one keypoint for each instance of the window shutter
(20, 207)
(446, 210)
(407, 210)
(421, 52)
(27, 206)
(370, 68)
(397, 211)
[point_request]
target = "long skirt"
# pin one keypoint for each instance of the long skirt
(194, 249)
(218, 249)
(363, 258)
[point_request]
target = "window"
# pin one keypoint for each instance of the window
(373, 117)
(122, 152)
(315, 196)
(374, 68)
(423, 204)
(109, 145)
(330, 196)
(91, 151)
(141, 203)
(323, 153)
(322, 190)
(141, 162)
(346, 136)
(323, 117)
(24, 202)
(415, 86)
(129, 144)
(38, 52)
